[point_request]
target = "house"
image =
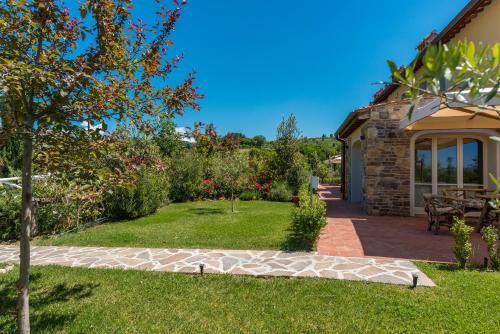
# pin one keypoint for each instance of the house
(389, 161)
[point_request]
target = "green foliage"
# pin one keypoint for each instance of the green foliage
(186, 172)
(143, 196)
(259, 141)
(308, 219)
(490, 236)
(229, 173)
(323, 172)
(463, 246)
(250, 195)
(65, 204)
(462, 66)
(10, 213)
(10, 157)
(287, 164)
(260, 164)
(168, 140)
(323, 148)
(280, 192)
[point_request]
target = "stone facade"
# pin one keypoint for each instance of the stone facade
(385, 163)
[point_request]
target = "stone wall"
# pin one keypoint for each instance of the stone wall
(387, 162)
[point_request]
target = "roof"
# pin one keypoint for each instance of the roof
(354, 120)
(469, 12)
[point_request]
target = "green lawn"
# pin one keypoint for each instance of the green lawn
(255, 225)
(76, 300)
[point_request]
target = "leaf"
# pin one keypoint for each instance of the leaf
(471, 52)
(448, 74)
(492, 93)
(392, 66)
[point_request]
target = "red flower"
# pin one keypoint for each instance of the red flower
(209, 182)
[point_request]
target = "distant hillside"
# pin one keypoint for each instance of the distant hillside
(323, 146)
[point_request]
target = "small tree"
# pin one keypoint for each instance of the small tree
(59, 70)
(230, 170)
(287, 165)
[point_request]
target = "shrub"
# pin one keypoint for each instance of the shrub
(308, 219)
(139, 198)
(490, 236)
(249, 195)
(10, 213)
(65, 205)
(186, 177)
(463, 246)
(280, 192)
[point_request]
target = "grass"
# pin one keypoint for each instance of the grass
(256, 225)
(73, 300)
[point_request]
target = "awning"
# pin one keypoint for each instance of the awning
(433, 115)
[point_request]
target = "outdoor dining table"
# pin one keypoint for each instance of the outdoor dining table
(475, 207)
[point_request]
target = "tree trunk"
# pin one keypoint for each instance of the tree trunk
(23, 320)
(232, 201)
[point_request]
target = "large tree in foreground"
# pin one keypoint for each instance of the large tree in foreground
(60, 68)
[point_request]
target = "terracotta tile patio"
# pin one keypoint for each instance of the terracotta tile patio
(350, 232)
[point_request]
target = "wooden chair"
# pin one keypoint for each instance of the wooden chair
(490, 215)
(441, 210)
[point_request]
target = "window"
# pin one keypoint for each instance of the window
(423, 161)
(473, 161)
(443, 162)
(447, 160)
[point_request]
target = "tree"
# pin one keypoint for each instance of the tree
(207, 141)
(287, 165)
(259, 141)
(59, 70)
(229, 170)
(231, 142)
(168, 140)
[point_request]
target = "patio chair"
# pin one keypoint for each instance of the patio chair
(490, 215)
(441, 210)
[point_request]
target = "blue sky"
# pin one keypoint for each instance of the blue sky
(260, 60)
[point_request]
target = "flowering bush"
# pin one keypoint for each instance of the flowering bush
(208, 188)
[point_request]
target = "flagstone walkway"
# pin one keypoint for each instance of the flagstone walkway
(245, 262)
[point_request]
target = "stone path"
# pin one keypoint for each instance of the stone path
(253, 263)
